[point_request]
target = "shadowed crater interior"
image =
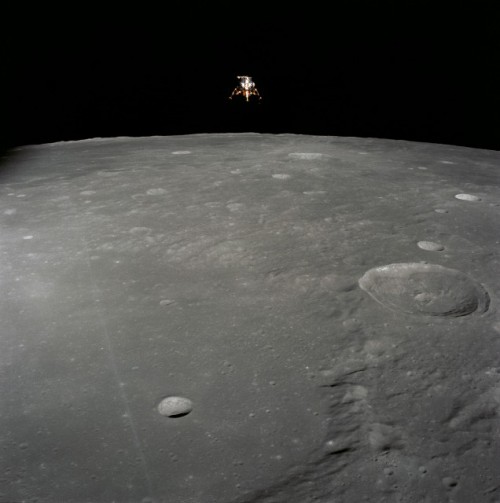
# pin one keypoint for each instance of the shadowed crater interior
(425, 289)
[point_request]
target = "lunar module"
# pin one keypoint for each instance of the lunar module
(246, 88)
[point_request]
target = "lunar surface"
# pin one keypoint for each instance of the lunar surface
(250, 318)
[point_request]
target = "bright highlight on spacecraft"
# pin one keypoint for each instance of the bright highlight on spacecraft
(246, 88)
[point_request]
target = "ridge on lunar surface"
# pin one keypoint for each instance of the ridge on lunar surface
(249, 318)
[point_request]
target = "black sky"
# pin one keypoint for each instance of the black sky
(402, 70)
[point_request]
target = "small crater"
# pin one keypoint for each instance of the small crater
(139, 230)
(281, 176)
(314, 192)
(213, 204)
(156, 192)
(425, 289)
(468, 197)
(430, 246)
(449, 482)
(308, 156)
(235, 206)
(175, 406)
(166, 302)
(181, 152)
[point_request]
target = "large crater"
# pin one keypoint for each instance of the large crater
(425, 289)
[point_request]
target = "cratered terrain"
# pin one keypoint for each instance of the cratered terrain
(250, 318)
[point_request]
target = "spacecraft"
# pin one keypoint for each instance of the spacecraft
(246, 88)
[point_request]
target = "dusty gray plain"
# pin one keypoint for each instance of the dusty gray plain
(249, 318)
